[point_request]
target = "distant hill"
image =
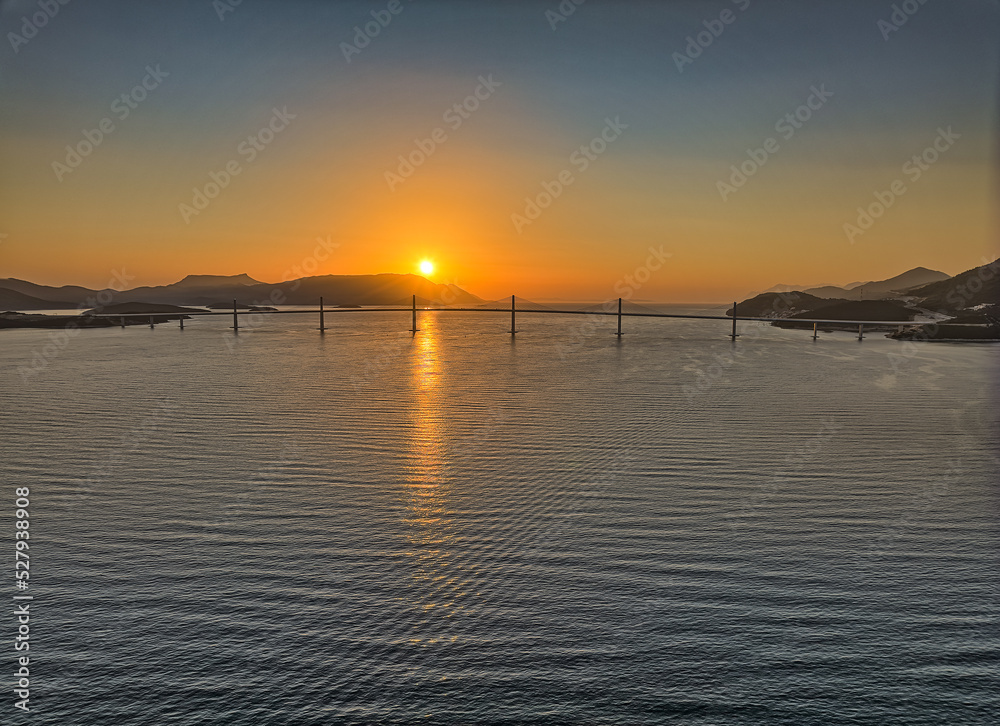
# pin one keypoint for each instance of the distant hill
(853, 310)
(136, 308)
(978, 286)
(780, 305)
(795, 305)
(14, 300)
(894, 287)
(34, 320)
(229, 306)
(201, 290)
(972, 297)
(193, 290)
(789, 288)
(217, 280)
(832, 292)
(901, 283)
(386, 289)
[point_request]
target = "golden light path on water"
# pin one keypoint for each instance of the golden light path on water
(427, 491)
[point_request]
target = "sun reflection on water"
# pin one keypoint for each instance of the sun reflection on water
(428, 517)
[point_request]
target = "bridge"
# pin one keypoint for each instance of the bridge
(612, 308)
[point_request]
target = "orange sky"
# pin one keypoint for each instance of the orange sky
(323, 175)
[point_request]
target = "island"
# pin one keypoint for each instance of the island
(965, 307)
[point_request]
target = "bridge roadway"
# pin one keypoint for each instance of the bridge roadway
(322, 311)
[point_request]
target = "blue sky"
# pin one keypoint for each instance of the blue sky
(607, 59)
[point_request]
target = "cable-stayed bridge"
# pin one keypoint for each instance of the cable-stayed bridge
(513, 306)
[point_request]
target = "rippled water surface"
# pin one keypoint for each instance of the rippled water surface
(455, 527)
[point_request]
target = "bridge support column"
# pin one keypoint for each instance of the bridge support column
(413, 328)
(322, 325)
(236, 319)
(182, 322)
(123, 321)
(861, 331)
(619, 317)
(733, 335)
(151, 322)
(814, 331)
(512, 321)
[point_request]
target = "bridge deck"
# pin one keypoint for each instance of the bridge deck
(519, 311)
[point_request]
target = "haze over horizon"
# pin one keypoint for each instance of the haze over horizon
(626, 281)
(331, 168)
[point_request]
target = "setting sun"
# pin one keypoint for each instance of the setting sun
(541, 353)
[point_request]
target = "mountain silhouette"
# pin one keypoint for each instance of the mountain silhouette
(200, 290)
(872, 290)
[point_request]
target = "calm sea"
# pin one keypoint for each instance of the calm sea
(460, 528)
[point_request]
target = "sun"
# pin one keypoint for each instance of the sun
(426, 267)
